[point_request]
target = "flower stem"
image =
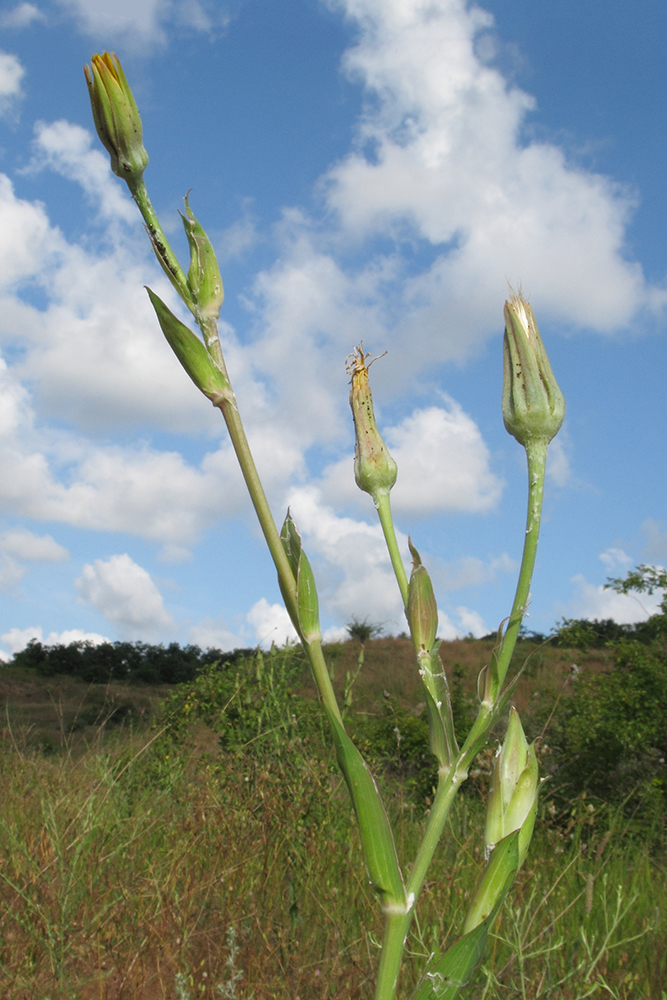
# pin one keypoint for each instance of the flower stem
(383, 505)
(536, 453)
(163, 251)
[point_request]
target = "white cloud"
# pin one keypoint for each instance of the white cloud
(271, 624)
(443, 463)
(615, 559)
(142, 23)
(558, 463)
(11, 74)
(210, 633)
(34, 548)
(591, 601)
(11, 573)
(67, 149)
(135, 21)
(124, 593)
(18, 638)
(469, 623)
(21, 16)
(441, 157)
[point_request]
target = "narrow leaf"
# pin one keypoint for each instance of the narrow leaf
(376, 837)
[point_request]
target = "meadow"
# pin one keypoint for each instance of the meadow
(197, 840)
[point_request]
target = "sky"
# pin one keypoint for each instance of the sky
(376, 170)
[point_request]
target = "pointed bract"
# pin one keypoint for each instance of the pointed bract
(204, 276)
(190, 351)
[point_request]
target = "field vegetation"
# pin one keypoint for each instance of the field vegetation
(196, 840)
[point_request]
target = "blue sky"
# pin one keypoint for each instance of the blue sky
(375, 169)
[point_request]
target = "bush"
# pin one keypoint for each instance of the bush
(610, 738)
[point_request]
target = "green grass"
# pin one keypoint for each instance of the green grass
(136, 866)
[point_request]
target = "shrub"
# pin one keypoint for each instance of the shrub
(611, 736)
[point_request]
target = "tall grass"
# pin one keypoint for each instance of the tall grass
(239, 875)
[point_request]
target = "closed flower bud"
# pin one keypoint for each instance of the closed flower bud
(116, 117)
(308, 620)
(422, 608)
(512, 802)
(375, 470)
(204, 274)
(533, 405)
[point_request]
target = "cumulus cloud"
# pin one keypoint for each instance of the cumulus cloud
(67, 149)
(26, 546)
(461, 623)
(591, 601)
(141, 23)
(443, 465)
(17, 639)
(11, 74)
(441, 157)
(33, 548)
(271, 623)
(21, 16)
(124, 593)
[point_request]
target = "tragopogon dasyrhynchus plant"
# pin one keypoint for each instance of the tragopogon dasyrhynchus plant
(533, 410)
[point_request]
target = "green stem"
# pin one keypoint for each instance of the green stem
(447, 789)
(536, 453)
(240, 444)
(163, 251)
(397, 923)
(383, 505)
(396, 928)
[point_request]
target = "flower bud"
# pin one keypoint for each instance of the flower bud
(308, 621)
(375, 470)
(422, 608)
(512, 802)
(533, 405)
(116, 117)
(204, 274)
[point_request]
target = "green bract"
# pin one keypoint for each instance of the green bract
(190, 351)
(512, 802)
(203, 274)
(116, 117)
(533, 405)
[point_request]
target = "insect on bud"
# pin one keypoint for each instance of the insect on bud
(375, 470)
(533, 405)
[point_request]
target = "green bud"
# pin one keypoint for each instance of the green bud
(512, 802)
(308, 624)
(533, 405)
(422, 609)
(190, 351)
(204, 274)
(116, 117)
(375, 470)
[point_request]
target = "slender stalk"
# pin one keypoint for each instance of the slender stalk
(536, 453)
(240, 444)
(396, 928)
(383, 505)
(163, 250)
